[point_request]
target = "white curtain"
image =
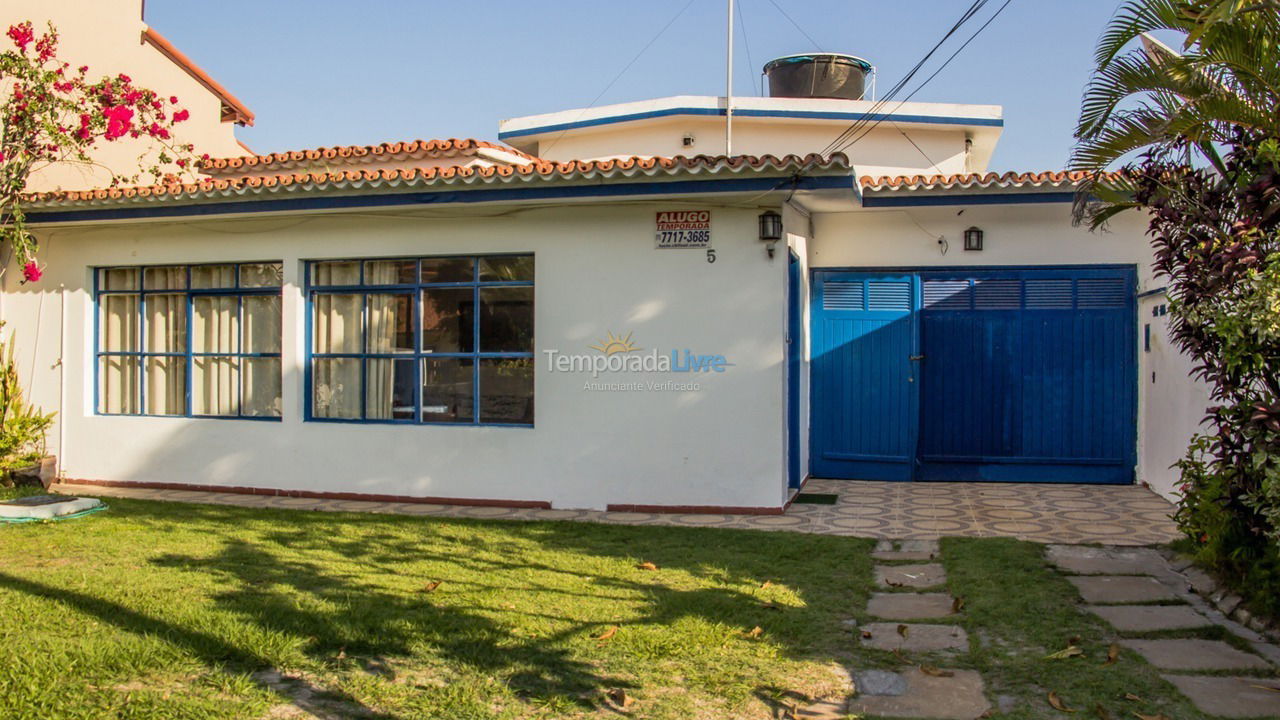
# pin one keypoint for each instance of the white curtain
(216, 378)
(389, 323)
(260, 377)
(336, 381)
(118, 326)
(166, 388)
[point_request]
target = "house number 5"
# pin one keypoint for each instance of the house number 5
(711, 256)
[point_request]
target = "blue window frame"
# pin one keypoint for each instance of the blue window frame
(427, 340)
(188, 340)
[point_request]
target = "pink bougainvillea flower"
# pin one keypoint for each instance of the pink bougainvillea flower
(21, 35)
(1, 157)
(31, 272)
(119, 121)
(181, 115)
(173, 99)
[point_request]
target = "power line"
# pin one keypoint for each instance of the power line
(622, 72)
(935, 73)
(796, 25)
(888, 97)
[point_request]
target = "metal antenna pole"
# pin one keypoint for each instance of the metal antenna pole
(728, 86)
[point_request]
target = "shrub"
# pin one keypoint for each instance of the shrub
(1216, 235)
(22, 426)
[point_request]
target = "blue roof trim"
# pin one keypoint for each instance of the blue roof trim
(322, 202)
(1021, 198)
(743, 112)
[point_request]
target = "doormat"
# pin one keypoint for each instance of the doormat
(37, 508)
(815, 499)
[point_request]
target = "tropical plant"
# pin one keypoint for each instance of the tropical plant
(51, 113)
(1175, 105)
(23, 427)
(1202, 134)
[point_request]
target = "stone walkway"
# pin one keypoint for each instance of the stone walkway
(1139, 593)
(912, 593)
(1112, 514)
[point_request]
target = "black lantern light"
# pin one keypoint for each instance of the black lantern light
(973, 239)
(770, 226)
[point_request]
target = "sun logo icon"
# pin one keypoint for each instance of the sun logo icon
(614, 345)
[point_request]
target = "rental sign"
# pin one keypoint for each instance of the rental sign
(683, 229)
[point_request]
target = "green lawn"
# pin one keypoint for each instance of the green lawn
(162, 610)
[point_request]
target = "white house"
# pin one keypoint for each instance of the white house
(604, 312)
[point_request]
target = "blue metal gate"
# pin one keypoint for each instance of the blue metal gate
(1000, 374)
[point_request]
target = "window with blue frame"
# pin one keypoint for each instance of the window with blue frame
(445, 340)
(189, 340)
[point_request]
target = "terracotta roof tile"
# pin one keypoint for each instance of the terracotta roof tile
(232, 109)
(424, 177)
(967, 181)
(392, 150)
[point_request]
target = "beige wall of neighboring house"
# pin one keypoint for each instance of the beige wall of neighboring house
(107, 35)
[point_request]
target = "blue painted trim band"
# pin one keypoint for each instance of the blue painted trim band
(745, 112)
(1021, 198)
(343, 202)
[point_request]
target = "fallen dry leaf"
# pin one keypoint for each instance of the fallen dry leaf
(1113, 654)
(1101, 712)
(1132, 698)
(903, 630)
(755, 632)
(431, 586)
(957, 604)
(766, 584)
(621, 698)
(1056, 703)
(613, 630)
(1067, 652)
(935, 672)
(891, 583)
(646, 566)
(866, 634)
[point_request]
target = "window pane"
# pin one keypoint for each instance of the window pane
(506, 319)
(389, 392)
(345, 272)
(390, 272)
(166, 386)
(118, 384)
(118, 319)
(261, 324)
(216, 324)
(513, 268)
(213, 276)
(447, 320)
(165, 278)
(506, 390)
(118, 279)
(166, 323)
(215, 387)
(390, 323)
(337, 327)
(255, 275)
(260, 387)
(444, 270)
(336, 383)
(447, 393)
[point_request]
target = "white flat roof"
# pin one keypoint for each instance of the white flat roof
(906, 114)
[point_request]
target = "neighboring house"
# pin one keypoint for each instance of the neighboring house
(609, 313)
(111, 38)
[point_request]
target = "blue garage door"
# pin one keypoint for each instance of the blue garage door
(993, 375)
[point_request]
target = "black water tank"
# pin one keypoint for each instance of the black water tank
(818, 75)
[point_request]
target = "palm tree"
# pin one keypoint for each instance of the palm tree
(1176, 105)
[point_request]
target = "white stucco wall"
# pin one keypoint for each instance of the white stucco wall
(597, 272)
(1174, 402)
(1034, 234)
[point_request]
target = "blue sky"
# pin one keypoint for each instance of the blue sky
(324, 72)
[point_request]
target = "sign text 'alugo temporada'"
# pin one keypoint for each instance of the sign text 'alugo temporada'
(683, 229)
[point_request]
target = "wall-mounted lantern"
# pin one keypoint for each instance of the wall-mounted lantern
(770, 229)
(973, 239)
